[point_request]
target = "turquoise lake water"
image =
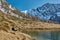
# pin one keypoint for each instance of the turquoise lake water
(48, 35)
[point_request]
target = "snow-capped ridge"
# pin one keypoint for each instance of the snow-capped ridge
(25, 11)
(46, 12)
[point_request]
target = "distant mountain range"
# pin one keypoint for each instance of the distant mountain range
(46, 12)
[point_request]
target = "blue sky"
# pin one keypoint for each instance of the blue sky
(29, 4)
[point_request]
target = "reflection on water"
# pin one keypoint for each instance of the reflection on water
(48, 35)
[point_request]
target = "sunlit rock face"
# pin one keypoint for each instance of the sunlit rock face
(46, 12)
(7, 8)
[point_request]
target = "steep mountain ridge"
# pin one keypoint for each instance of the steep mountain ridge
(46, 12)
(9, 9)
(33, 14)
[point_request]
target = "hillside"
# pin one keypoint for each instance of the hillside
(10, 28)
(9, 22)
(13, 23)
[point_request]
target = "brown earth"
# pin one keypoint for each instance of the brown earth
(11, 27)
(14, 36)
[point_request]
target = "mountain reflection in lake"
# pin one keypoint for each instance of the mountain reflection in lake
(45, 35)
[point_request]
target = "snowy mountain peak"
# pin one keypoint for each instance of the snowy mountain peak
(25, 11)
(46, 12)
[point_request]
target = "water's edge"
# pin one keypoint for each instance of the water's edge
(44, 35)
